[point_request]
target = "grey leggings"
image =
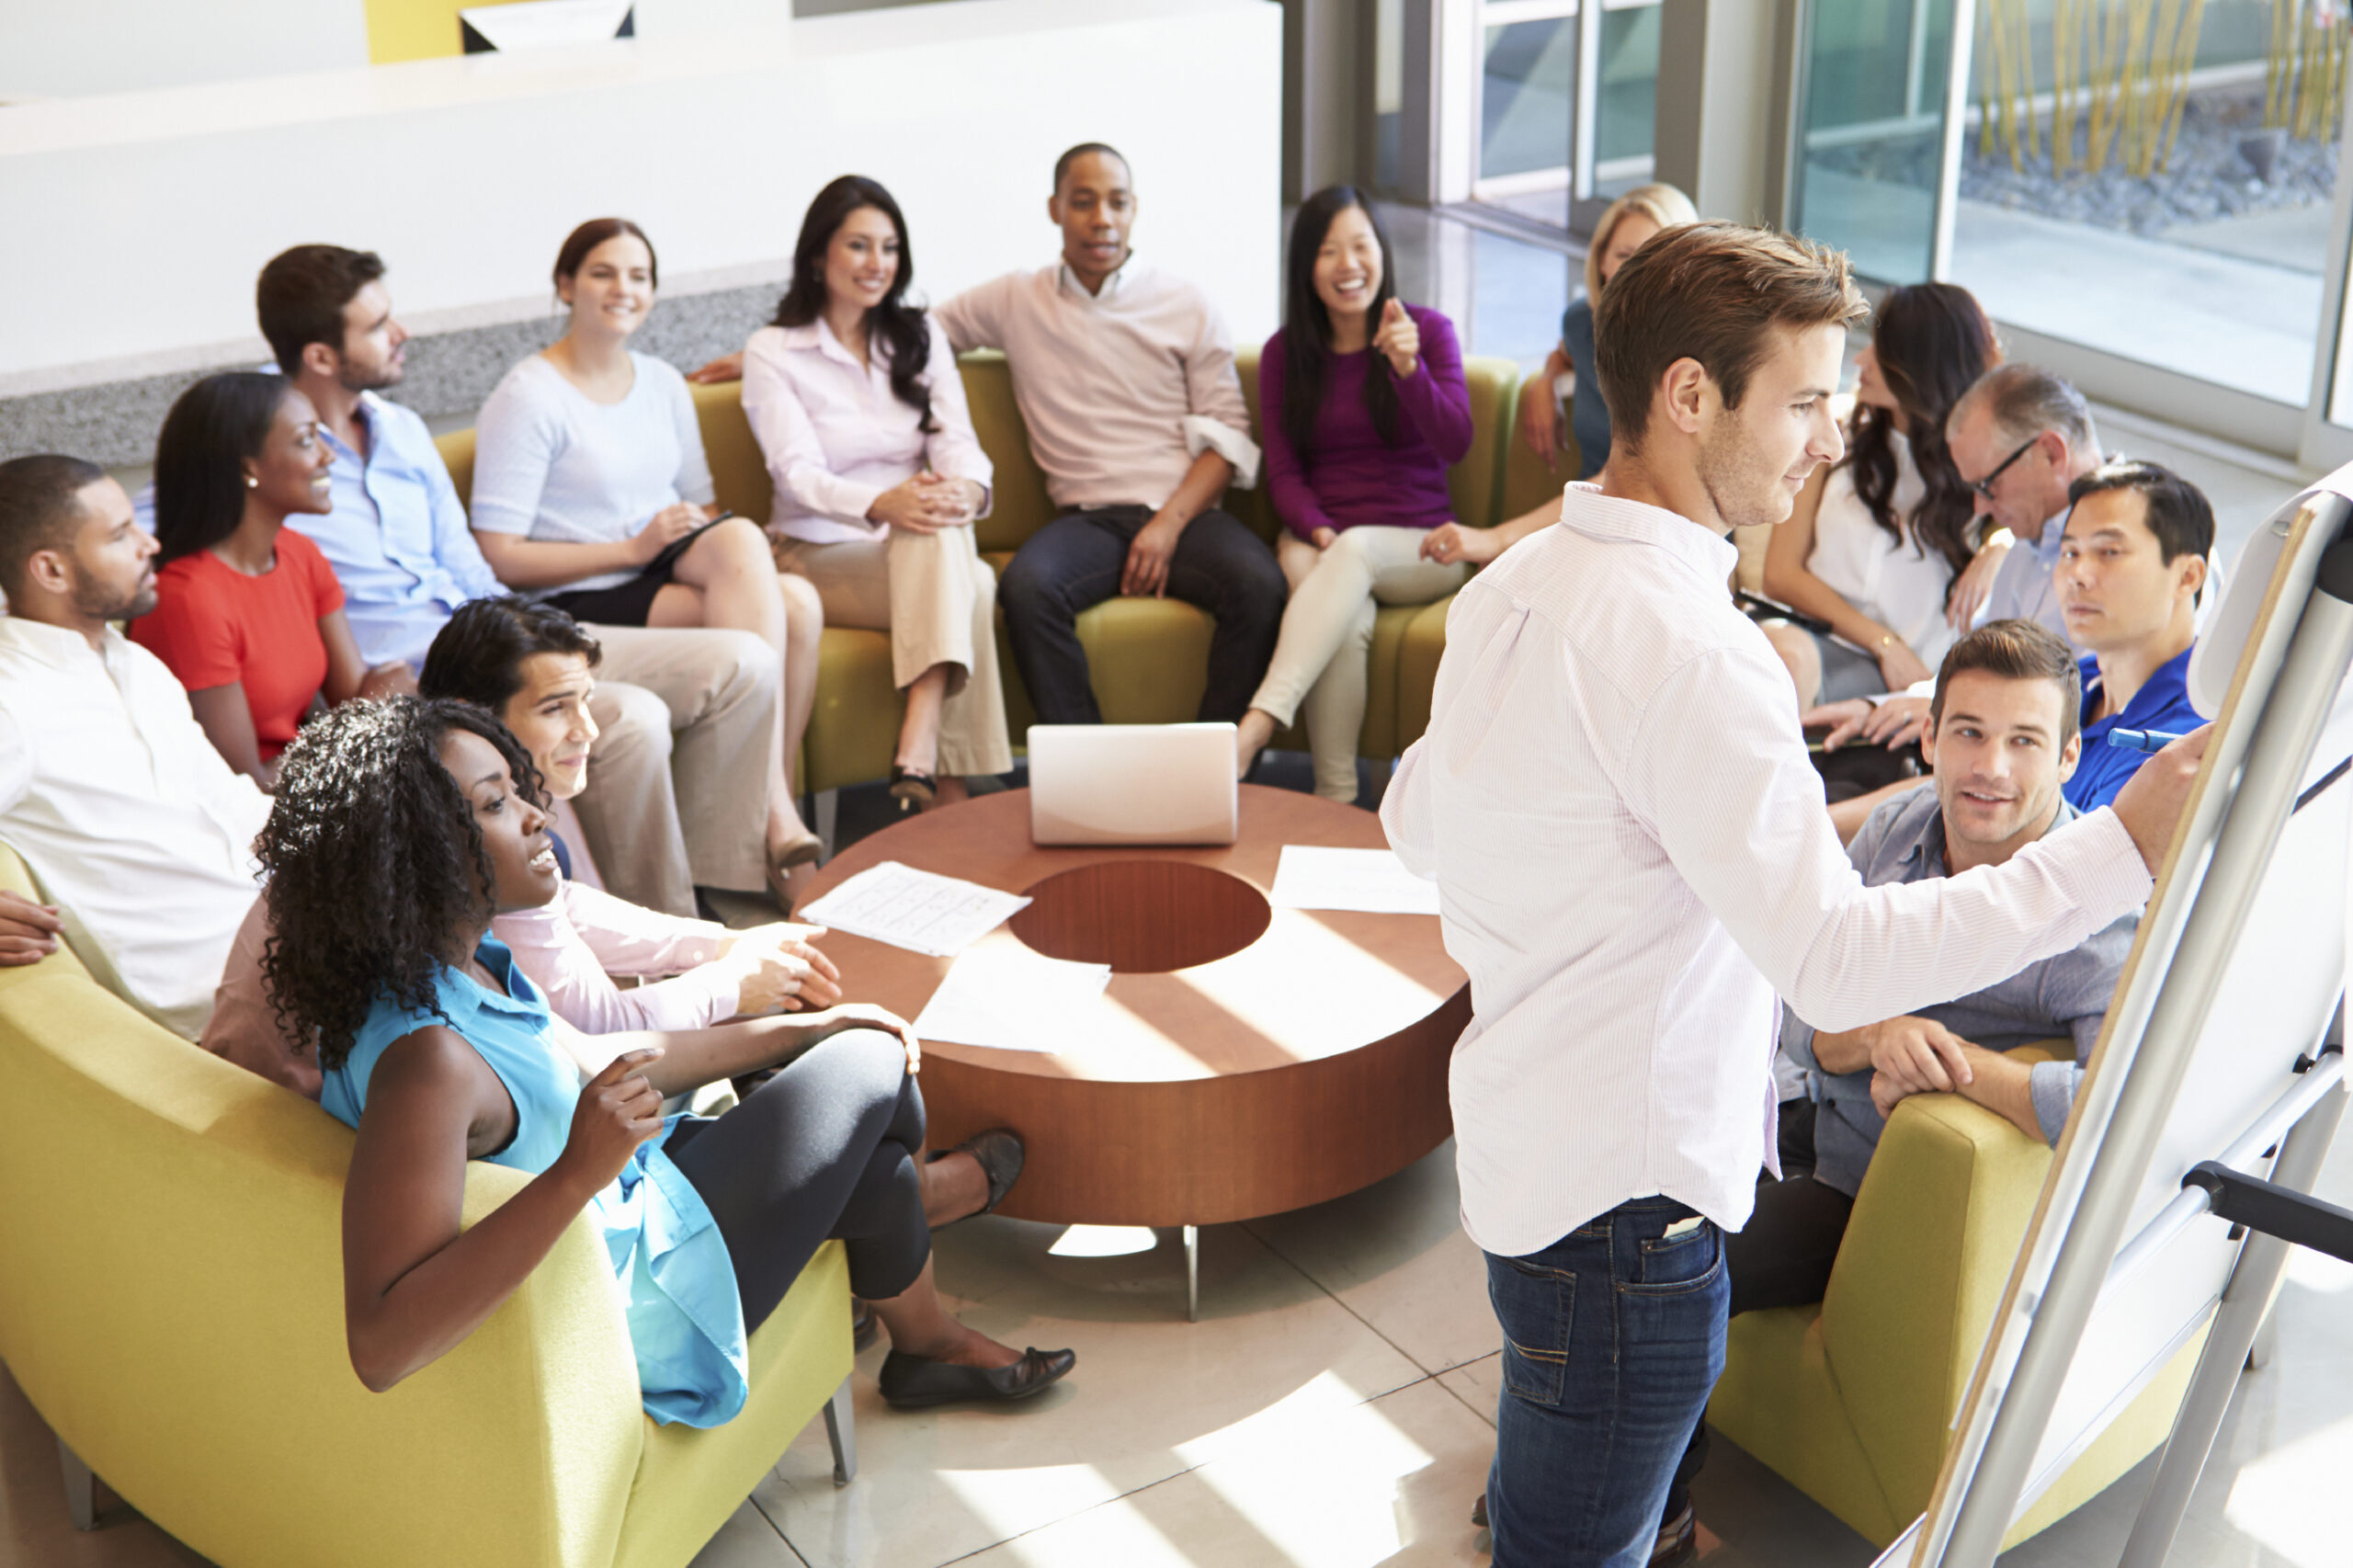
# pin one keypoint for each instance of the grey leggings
(826, 1148)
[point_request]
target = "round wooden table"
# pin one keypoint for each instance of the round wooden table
(1250, 1060)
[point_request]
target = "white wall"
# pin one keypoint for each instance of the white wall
(61, 48)
(135, 223)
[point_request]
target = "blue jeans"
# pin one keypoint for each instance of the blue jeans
(1074, 563)
(1613, 1339)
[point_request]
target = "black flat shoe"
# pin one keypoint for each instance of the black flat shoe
(913, 789)
(911, 1383)
(999, 1152)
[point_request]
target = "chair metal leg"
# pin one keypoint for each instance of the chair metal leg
(81, 1488)
(829, 806)
(841, 1432)
(1192, 1274)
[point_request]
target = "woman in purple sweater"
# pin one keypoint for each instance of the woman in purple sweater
(1364, 406)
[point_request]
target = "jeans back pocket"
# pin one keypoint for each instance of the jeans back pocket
(1534, 1305)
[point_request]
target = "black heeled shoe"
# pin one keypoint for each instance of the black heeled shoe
(999, 1153)
(912, 1382)
(915, 789)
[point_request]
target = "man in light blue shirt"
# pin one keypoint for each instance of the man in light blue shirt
(664, 815)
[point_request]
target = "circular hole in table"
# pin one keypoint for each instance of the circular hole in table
(1141, 916)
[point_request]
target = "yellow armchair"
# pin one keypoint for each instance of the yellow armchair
(171, 1301)
(1850, 1399)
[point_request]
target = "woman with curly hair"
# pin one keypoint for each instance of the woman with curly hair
(1876, 541)
(400, 829)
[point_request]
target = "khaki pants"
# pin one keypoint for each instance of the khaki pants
(1326, 640)
(937, 598)
(677, 792)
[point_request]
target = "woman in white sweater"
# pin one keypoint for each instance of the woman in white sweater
(1875, 541)
(591, 492)
(859, 408)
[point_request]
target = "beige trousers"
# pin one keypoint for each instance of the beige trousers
(1321, 657)
(937, 598)
(677, 792)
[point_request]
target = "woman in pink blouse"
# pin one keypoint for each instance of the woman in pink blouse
(856, 401)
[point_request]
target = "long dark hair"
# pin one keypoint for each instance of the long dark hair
(1307, 326)
(375, 861)
(199, 484)
(1932, 341)
(905, 340)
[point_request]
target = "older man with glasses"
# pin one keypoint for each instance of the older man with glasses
(2020, 437)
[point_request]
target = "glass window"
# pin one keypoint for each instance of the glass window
(1526, 96)
(1872, 131)
(1627, 113)
(2177, 214)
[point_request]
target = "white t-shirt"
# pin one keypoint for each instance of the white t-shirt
(1900, 584)
(551, 464)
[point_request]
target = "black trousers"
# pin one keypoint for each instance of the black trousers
(1073, 563)
(824, 1149)
(1780, 1258)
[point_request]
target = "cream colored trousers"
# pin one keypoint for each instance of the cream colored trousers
(1321, 657)
(678, 780)
(937, 598)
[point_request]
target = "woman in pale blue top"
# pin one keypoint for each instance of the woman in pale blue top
(401, 828)
(591, 491)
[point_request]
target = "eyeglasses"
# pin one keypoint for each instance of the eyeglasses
(1986, 486)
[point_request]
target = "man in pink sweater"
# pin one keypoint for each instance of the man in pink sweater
(1125, 377)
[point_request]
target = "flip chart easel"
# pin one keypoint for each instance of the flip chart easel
(2224, 1048)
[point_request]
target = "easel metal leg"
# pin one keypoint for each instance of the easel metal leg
(2244, 1310)
(841, 1434)
(1192, 1274)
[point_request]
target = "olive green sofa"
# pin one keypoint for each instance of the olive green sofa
(1147, 657)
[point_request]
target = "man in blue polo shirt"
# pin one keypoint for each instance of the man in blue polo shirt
(2131, 565)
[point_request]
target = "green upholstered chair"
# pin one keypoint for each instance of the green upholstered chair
(1524, 483)
(1850, 1399)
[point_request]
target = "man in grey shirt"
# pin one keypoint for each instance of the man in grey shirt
(2003, 734)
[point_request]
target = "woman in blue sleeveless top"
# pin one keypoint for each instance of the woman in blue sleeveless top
(401, 828)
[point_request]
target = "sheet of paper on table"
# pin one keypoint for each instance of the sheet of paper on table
(919, 911)
(1002, 994)
(1309, 877)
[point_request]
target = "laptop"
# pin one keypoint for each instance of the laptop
(1132, 784)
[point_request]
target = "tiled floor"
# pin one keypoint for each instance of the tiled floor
(1332, 1408)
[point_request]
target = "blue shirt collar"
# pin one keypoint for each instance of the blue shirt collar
(2166, 691)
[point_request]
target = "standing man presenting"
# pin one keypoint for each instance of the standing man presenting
(1633, 857)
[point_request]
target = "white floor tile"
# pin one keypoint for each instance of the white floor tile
(1389, 1481)
(1153, 1395)
(1396, 1255)
(746, 1540)
(1478, 1384)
